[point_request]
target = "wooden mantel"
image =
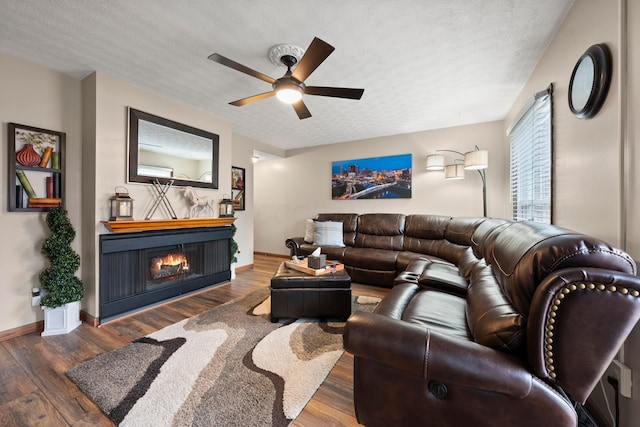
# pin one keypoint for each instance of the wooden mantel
(165, 224)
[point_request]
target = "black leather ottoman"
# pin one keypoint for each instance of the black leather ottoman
(295, 294)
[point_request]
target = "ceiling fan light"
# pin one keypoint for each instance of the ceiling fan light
(289, 95)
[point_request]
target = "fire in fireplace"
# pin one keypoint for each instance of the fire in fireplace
(168, 266)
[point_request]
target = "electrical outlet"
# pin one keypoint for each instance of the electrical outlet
(622, 373)
(35, 297)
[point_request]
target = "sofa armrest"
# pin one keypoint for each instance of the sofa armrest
(580, 314)
(293, 243)
(430, 355)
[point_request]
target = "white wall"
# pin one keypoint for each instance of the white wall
(34, 96)
(587, 186)
(289, 190)
(590, 183)
(112, 98)
(93, 113)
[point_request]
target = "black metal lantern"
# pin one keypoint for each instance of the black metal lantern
(121, 207)
(226, 207)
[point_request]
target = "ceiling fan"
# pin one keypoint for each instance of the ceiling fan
(290, 87)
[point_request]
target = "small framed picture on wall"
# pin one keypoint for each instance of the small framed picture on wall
(238, 187)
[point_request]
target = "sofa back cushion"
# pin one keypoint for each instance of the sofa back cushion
(424, 234)
(380, 231)
(460, 230)
(349, 223)
(491, 318)
(523, 253)
(441, 236)
(482, 231)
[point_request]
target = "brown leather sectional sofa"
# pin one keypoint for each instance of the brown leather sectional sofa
(488, 322)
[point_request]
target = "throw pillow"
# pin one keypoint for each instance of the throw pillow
(309, 231)
(328, 233)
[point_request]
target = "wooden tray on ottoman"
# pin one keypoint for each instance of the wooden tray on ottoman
(303, 266)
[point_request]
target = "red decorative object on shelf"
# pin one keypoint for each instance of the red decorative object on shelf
(27, 156)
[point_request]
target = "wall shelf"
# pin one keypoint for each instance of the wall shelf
(165, 224)
(41, 186)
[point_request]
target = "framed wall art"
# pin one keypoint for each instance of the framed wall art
(372, 178)
(238, 187)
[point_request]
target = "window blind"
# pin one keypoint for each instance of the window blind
(531, 162)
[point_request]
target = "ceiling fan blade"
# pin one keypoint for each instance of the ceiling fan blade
(239, 67)
(336, 92)
(301, 110)
(315, 54)
(254, 98)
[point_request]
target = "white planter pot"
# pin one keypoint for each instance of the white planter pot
(61, 320)
(233, 271)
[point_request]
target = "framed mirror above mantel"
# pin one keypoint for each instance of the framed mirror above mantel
(165, 150)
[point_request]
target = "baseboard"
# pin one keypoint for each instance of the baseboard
(89, 319)
(244, 268)
(94, 321)
(39, 327)
(272, 255)
(22, 330)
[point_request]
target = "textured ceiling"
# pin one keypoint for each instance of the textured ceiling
(424, 64)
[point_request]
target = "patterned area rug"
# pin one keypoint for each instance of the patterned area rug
(228, 366)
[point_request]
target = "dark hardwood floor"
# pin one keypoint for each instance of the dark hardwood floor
(34, 390)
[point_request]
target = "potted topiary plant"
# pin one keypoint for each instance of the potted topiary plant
(61, 289)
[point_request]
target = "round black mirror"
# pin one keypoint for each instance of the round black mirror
(590, 82)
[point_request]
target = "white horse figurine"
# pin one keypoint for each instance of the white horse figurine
(199, 204)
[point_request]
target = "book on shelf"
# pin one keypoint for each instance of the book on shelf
(49, 185)
(42, 205)
(46, 200)
(57, 190)
(26, 184)
(44, 161)
(55, 160)
(19, 196)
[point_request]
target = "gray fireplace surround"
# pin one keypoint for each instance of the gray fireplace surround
(140, 269)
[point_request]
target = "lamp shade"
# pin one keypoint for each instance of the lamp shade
(478, 159)
(435, 162)
(455, 171)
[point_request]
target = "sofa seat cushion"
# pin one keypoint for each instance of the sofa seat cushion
(438, 311)
(443, 277)
(371, 259)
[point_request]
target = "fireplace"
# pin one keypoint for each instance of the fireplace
(144, 268)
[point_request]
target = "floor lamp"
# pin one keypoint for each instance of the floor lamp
(477, 160)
